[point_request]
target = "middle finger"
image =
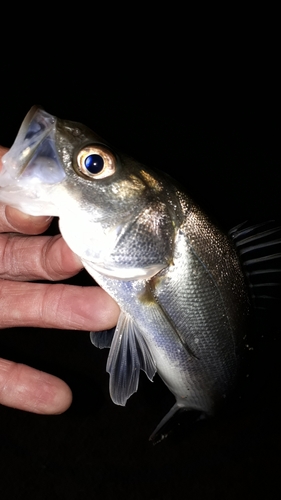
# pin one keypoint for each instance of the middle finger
(25, 258)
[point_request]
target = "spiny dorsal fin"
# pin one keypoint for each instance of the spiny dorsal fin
(258, 246)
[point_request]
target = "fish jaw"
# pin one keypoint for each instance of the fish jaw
(31, 168)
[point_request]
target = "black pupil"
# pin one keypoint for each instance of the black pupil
(94, 163)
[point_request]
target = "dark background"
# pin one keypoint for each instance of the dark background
(215, 127)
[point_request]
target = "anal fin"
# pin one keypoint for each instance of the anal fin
(172, 418)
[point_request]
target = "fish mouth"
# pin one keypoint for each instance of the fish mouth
(33, 156)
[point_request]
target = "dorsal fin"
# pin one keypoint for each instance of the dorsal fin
(259, 250)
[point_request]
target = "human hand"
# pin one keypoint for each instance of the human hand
(25, 256)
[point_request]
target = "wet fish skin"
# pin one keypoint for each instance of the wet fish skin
(175, 275)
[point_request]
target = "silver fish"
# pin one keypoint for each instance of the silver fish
(174, 274)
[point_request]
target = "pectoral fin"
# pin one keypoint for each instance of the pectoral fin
(129, 353)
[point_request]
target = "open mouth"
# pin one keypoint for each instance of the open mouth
(33, 156)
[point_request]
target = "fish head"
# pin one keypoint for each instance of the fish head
(108, 204)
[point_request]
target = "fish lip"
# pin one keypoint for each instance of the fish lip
(24, 147)
(29, 118)
(33, 158)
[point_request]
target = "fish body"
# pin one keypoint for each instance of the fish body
(175, 275)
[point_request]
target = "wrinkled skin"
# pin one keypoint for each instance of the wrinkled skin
(26, 255)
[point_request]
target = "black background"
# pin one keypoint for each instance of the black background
(214, 126)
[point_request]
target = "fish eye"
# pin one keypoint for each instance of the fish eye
(95, 162)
